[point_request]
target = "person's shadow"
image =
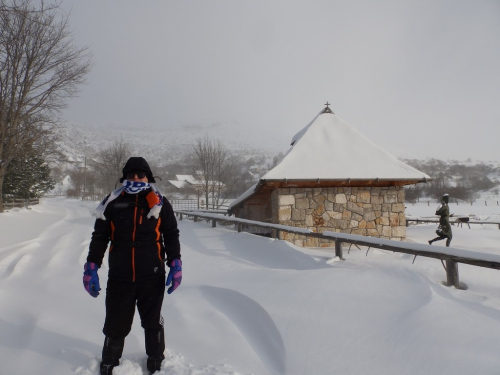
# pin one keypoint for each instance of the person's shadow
(30, 337)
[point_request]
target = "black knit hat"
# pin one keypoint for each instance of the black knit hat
(137, 163)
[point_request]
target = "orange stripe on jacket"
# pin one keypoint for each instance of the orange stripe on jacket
(158, 236)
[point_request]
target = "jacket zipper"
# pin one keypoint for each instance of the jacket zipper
(133, 238)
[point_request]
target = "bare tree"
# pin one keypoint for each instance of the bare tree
(213, 168)
(111, 162)
(39, 69)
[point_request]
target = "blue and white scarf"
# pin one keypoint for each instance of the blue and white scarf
(131, 187)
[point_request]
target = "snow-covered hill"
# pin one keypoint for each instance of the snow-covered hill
(161, 145)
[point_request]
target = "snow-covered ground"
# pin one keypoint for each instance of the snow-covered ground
(252, 305)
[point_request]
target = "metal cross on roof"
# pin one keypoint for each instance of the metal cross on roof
(327, 108)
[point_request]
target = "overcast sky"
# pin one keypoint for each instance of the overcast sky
(420, 78)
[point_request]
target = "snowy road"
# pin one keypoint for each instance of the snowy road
(248, 305)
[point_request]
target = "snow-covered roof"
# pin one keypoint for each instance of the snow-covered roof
(331, 149)
(179, 184)
(243, 196)
(186, 177)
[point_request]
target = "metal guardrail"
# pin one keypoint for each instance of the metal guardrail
(449, 256)
(458, 220)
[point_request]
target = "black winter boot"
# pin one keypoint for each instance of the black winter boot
(106, 369)
(154, 364)
(155, 346)
(111, 354)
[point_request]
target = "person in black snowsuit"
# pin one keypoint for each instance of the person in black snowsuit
(444, 229)
(142, 228)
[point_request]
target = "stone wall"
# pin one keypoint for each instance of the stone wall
(367, 211)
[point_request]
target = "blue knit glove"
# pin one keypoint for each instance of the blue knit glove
(91, 279)
(174, 275)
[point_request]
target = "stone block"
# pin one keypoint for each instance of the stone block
(346, 215)
(328, 205)
(354, 208)
(285, 200)
(369, 216)
(299, 243)
(338, 224)
(359, 232)
(402, 219)
(354, 224)
(302, 203)
(319, 199)
(370, 225)
(317, 191)
(318, 221)
(340, 198)
(393, 219)
(362, 224)
(319, 210)
(334, 215)
(384, 220)
(356, 216)
(377, 199)
(311, 242)
(338, 207)
(386, 231)
(309, 220)
(363, 196)
(386, 207)
(398, 207)
(399, 231)
(285, 213)
(325, 216)
(298, 215)
(372, 233)
(390, 198)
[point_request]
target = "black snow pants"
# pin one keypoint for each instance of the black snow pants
(121, 299)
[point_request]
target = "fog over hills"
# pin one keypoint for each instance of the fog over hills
(169, 144)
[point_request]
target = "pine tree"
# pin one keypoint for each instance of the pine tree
(27, 177)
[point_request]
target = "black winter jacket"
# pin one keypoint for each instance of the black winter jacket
(138, 245)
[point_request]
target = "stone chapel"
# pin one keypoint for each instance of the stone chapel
(332, 178)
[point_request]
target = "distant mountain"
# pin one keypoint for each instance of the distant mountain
(169, 144)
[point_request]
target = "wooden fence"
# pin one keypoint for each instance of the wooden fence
(450, 257)
(7, 205)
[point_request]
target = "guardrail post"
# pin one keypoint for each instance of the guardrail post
(213, 223)
(452, 273)
(195, 219)
(240, 227)
(338, 249)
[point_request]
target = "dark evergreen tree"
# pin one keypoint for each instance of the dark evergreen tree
(27, 177)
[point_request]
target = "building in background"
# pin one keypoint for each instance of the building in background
(332, 178)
